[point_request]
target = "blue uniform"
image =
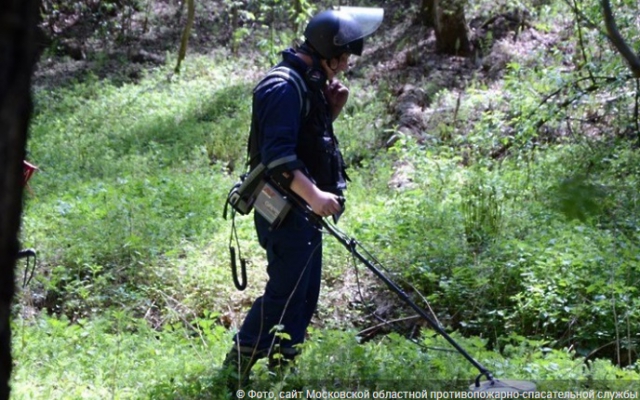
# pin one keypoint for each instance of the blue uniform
(294, 249)
(276, 111)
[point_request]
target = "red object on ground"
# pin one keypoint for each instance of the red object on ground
(28, 171)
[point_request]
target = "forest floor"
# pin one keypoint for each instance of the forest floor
(120, 44)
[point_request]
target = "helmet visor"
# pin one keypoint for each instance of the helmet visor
(368, 20)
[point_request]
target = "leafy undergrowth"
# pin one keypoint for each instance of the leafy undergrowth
(118, 356)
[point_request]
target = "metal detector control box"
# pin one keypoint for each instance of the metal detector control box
(255, 191)
(272, 204)
(243, 194)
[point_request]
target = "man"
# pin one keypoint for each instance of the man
(292, 134)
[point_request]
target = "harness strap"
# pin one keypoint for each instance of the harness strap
(290, 75)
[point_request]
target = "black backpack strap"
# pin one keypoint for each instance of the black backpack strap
(290, 75)
(277, 74)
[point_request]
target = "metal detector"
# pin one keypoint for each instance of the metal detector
(242, 198)
(352, 245)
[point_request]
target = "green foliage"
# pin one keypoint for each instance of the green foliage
(128, 176)
(361, 136)
(112, 356)
(577, 198)
(119, 356)
(481, 209)
(495, 257)
(271, 25)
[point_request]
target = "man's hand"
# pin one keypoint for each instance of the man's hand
(325, 204)
(322, 203)
(337, 95)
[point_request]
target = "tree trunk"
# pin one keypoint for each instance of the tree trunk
(450, 24)
(297, 6)
(18, 19)
(427, 13)
(184, 41)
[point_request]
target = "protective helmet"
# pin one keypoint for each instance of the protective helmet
(334, 32)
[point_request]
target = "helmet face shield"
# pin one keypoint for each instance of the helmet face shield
(348, 31)
(368, 21)
(334, 32)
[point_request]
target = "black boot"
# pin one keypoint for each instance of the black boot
(237, 365)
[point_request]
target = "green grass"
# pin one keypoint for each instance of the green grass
(119, 357)
(112, 356)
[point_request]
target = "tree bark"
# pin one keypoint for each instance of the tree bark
(18, 20)
(297, 6)
(450, 25)
(427, 13)
(184, 41)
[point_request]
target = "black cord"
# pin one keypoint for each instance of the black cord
(30, 269)
(240, 285)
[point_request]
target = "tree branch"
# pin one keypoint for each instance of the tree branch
(618, 42)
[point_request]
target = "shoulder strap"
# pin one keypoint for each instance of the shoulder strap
(289, 75)
(278, 73)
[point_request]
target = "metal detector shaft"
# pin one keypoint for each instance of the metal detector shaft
(350, 244)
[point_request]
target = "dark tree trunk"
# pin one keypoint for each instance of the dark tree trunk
(297, 6)
(18, 19)
(450, 24)
(427, 13)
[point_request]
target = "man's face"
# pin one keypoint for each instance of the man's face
(336, 65)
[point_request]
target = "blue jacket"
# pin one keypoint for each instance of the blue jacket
(285, 137)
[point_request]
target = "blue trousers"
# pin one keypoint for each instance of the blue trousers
(294, 255)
